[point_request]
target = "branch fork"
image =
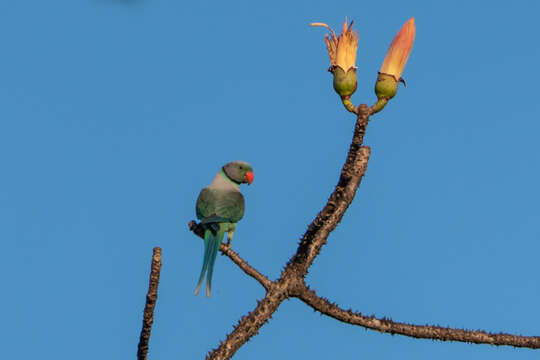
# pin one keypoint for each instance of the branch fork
(291, 282)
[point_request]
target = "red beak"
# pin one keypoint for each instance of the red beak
(249, 177)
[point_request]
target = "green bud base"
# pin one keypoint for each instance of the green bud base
(344, 82)
(386, 86)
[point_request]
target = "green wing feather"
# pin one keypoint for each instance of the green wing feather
(215, 205)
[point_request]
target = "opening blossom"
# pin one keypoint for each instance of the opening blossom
(341, 49)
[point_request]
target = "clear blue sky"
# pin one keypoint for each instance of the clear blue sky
(114, 114)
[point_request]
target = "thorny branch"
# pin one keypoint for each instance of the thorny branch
(291, 282)
(151, 298)
(417, 331)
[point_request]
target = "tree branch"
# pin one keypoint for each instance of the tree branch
(385, 325)
(226, 250)
(151, 299)
(291, 280)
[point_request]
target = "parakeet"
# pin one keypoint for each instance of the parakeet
(219, 207)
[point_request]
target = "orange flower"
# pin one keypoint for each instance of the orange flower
(341, 49)
(399, 51)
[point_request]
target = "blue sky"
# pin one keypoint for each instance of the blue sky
(114, 114)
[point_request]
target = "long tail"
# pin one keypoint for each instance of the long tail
(211, 247)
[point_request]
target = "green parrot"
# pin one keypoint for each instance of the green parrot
(219, 207)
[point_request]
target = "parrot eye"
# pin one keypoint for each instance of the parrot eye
(241, 167)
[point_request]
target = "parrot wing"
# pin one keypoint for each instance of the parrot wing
(216, 205)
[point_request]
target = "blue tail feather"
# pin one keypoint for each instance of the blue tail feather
(211, 248)
(205, 261)
(213, 254)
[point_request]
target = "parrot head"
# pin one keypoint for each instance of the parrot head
(239, 171)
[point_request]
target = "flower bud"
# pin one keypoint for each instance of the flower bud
(396, 58)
